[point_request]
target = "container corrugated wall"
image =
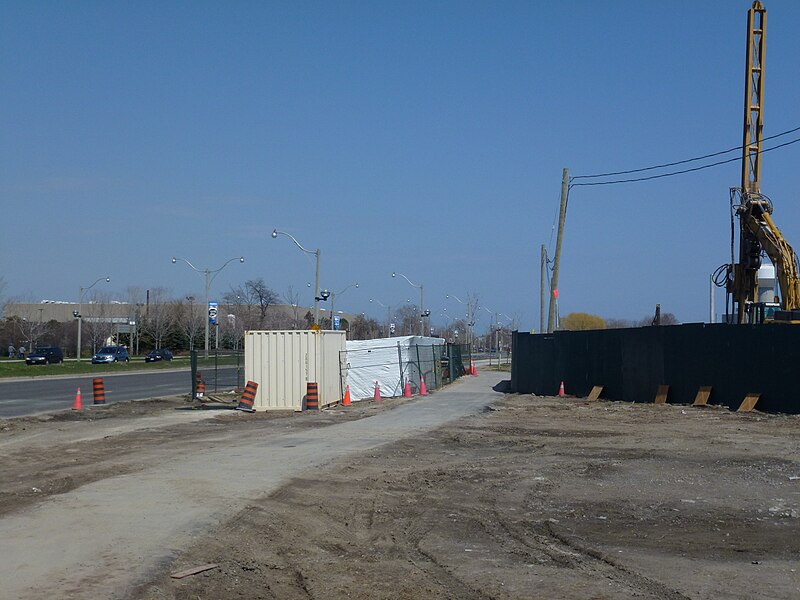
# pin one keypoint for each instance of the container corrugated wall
(283, 362)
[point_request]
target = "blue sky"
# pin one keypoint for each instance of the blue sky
(426, 138)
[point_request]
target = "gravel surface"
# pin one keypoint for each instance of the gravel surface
(469, 493)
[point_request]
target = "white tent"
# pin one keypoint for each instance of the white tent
(388, 361)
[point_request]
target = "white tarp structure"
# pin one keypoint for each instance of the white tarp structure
(387, 361)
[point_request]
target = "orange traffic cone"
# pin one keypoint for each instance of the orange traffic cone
(377, 395)
(472, 370)
(346, 399)
(561, 390)
(423, 391)
(78, 405)
(407, 389)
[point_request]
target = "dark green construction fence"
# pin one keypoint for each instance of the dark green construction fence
(631, 364)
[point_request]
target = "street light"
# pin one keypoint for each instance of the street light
(77, 313)
(388, 314)
(422, 312)
(496, 333)
(317, 295)
(334, 294)
(209, 279)
(470, 320)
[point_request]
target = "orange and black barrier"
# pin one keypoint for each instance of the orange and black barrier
(199, 386)
(248, 397)
(99, 390)
(312, 396)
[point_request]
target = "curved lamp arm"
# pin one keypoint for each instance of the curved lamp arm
(276, 232)
(408, 280)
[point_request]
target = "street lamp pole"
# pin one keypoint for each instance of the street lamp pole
(208, 279)
(333, 298)
(317, 297)
(79, 313)
(469, 315)
(422, 312)
(388, 314)
(496, 332)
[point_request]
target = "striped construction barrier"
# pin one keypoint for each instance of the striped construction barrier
(248, 397)
(99, 390)
(312, 396)
(200, 385)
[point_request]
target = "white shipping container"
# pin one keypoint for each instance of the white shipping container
(282, 363)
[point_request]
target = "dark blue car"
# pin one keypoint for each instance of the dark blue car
(158, 354)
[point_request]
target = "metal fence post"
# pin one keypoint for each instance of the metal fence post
(193, 360)
(419, 363)
(400, 366)
(216, 367)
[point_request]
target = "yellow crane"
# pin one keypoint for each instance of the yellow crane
(757, 231)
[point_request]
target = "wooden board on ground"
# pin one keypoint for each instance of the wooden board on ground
(661, 394)
(193, 571)
(702, 396)
(595, 393)
(749, 403)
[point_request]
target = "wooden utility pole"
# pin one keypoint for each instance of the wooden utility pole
(541, 289)
(557, 260)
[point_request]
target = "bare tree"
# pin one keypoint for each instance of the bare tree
(363, 328)
(158, 319)
(2, 296)
(188, 317)
(234, 328)
(96, 320)
(407, 319)
(292, 298)
(28, 322)
(257, 297)
(136, 299)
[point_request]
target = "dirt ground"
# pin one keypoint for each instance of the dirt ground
(534, 498)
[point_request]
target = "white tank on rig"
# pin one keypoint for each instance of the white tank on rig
(767, 284)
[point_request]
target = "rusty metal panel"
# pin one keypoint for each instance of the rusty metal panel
(749, 403)
(702, 396)
(661, 394)
(595, 393)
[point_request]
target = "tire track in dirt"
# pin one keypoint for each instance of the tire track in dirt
(628, 576)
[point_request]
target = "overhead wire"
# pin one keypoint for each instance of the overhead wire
(681, 162)
(681, 172)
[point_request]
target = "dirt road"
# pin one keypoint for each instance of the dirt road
(470, 494)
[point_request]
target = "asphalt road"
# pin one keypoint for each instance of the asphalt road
(47, 394)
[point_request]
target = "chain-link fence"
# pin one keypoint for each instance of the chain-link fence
(457, 361)
(220, 372)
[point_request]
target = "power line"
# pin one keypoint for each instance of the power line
(681, 162)
(681, 172)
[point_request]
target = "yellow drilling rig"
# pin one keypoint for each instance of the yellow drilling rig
(758, 234)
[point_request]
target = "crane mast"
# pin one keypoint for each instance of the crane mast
(745, 276)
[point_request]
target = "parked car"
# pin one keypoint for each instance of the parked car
(111, 354)
(45, 356)
(158, 354)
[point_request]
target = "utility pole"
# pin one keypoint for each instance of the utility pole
(541, 289)
(557, 260)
